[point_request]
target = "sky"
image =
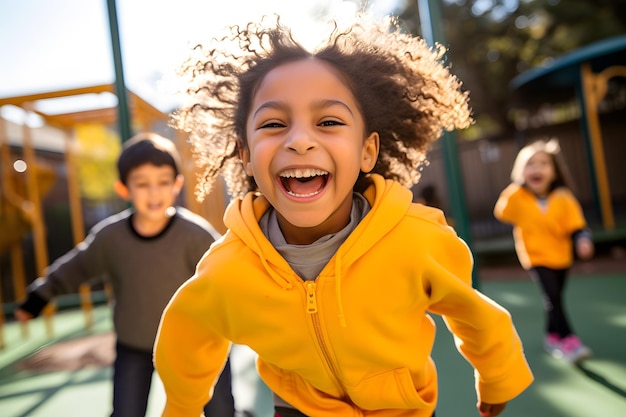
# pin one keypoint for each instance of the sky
(50, 45)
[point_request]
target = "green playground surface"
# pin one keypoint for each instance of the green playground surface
(30, 386)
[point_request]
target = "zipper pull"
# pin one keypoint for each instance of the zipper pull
(311, 301)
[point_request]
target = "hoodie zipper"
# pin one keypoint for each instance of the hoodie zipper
(311, 308)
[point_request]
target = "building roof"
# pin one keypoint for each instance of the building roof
(564, 71)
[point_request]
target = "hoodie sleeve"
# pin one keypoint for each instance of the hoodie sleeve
(505, 208)
(574, 218)
(483, 330)
(189, 354)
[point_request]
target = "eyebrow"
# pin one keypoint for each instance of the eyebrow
(279, 105)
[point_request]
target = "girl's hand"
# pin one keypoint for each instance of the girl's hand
(584, 249)
(490, 410)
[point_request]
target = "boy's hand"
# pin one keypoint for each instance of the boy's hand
(22, 315)
(490, 410)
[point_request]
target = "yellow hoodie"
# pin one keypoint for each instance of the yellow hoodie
(354, 342)
(543, 236)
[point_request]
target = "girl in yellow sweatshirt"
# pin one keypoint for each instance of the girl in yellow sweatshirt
(547, 221)
(328, 271)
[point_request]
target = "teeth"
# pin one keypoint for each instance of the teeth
(302, 195)
(302, 173)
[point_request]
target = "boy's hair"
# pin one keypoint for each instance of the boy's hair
(403, 90)
(552, 148)
(147, 148)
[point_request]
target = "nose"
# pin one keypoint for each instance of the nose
(153, 189)
(300, 140)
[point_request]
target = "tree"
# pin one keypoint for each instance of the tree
(492, 41)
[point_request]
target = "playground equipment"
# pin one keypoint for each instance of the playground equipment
(21, 193)
(20, 206)
(587, 72)
(20, 212)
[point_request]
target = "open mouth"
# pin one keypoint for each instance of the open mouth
(304, 182)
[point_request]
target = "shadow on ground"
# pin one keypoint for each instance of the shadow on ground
(70, 375)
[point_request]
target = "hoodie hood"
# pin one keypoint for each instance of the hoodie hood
(389, 203)
(398, 265)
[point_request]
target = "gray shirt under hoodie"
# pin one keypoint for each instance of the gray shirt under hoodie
(309, 260)
(144, 271)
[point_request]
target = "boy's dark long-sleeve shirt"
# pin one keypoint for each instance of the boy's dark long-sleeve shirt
(144, 271)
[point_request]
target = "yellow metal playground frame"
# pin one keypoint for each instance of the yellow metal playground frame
(144, 117)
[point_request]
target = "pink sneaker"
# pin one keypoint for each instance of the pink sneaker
(552, 345)
(573, 349)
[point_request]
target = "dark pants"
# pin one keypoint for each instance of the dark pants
(552, 284)
(291, 412)
(132, 377)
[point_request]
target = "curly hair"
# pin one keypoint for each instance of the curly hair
(403, 89)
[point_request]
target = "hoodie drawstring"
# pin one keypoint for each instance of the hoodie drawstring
(280, 280)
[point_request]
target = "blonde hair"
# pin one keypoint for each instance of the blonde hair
(403, 90)
(549, 146)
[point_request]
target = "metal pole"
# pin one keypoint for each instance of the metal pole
(120, 86)
(591, 96)
(430, 22)
(35, 212)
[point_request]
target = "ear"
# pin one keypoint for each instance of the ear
(370, 152)
(178, 183)
(244, 155)
(121, 190)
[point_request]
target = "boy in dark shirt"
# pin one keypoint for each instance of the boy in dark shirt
(146, 252)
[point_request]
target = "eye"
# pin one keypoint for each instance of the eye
(271, 125)
(331, 123)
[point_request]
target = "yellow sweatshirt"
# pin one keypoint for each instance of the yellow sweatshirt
(354, 342)
(543, 235)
